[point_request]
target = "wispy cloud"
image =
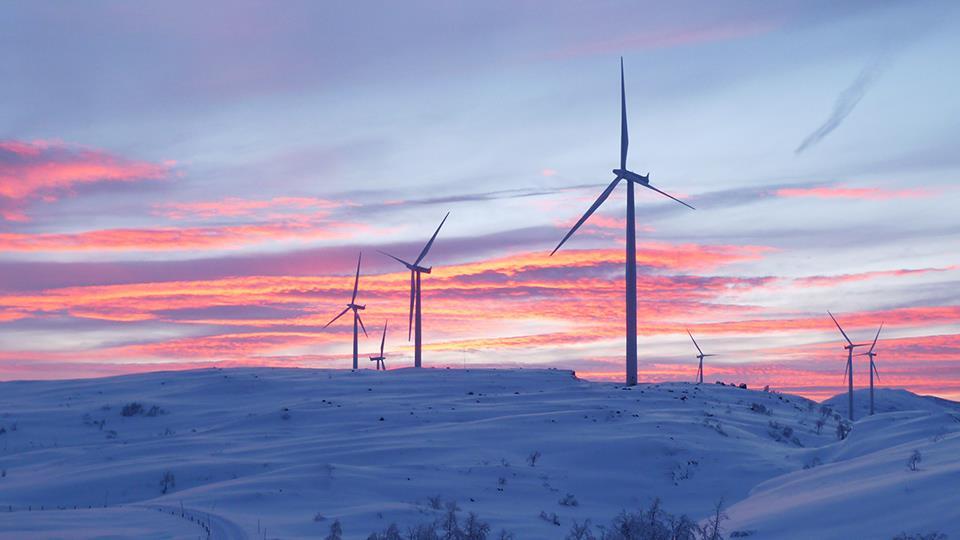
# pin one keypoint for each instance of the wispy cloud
(845, 103)
(840, 192)
(46, 170)
(646, 38)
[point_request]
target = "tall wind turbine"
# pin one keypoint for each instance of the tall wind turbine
(622, 173)
(700, 356)
(379, 359)
(873, 365)
(848, 372)
(356, 313)
(415, 271)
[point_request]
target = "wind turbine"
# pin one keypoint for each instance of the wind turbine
(622, 173)
(415, 271)
(700, 356)
(848, 372)
(379, 359)
(873, 365)
(356, 313)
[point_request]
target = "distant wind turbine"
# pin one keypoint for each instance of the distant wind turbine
(356, 313)
(873, 365)
(379, 359)
(415, 271)
(632, 178)
(700, 356)
(848, 372)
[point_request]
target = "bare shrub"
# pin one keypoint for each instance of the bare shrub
(843, 429)
(913, 462)
(569, 500)
(167, 482)
(132, 409)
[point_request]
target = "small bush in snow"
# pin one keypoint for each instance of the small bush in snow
(336, 531)
(569, 500)
(551, 518)
(826, 411)
(652, 523)
(131, 409)
(319, 517)
(154, 411)
(167, 482)
(913, 462)
(921, 536)
(580, 531)
(390, 533)
(759, 408)
(435, 502)
(446, 528)
(533, 457)
(820, 424)
(843, 429)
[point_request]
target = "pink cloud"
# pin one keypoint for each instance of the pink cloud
(238, 207)
(869, 194)
(45, 170)
(650, 38)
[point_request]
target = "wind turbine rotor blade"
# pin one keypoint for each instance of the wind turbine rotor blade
(426, 248)
(665, 194)
(346, 309)
(839, 328)
(398, 259)
(709, 355)
(694, 342)
(383, 339)
(875, 371)
(356, 280)
(413, 291)
(874, 344)
(624, 137)
(846, 369)
(603, 197)
(361, 324)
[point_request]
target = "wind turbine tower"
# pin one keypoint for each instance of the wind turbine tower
(357, 308)
(415, 310)
(873, 365)
(848, 372)
(622, 173)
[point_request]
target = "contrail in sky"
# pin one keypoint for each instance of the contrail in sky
(845, 104)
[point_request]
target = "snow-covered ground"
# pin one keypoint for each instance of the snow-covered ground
(287, 451)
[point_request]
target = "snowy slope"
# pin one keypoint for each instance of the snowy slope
(290, 450)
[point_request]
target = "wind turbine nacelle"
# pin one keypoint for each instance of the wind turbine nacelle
(356, 306)
(632, 176)
(421, 269)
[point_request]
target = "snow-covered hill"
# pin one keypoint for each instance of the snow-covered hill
(289, 451)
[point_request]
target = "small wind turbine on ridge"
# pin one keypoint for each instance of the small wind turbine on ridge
(622, 173)
(848, 372)
(379, 359)
(700, 357)
(873, 365)
(356, 313)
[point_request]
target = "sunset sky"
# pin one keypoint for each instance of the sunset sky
(189, 184)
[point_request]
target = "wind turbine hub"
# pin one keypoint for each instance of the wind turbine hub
(632, 176)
